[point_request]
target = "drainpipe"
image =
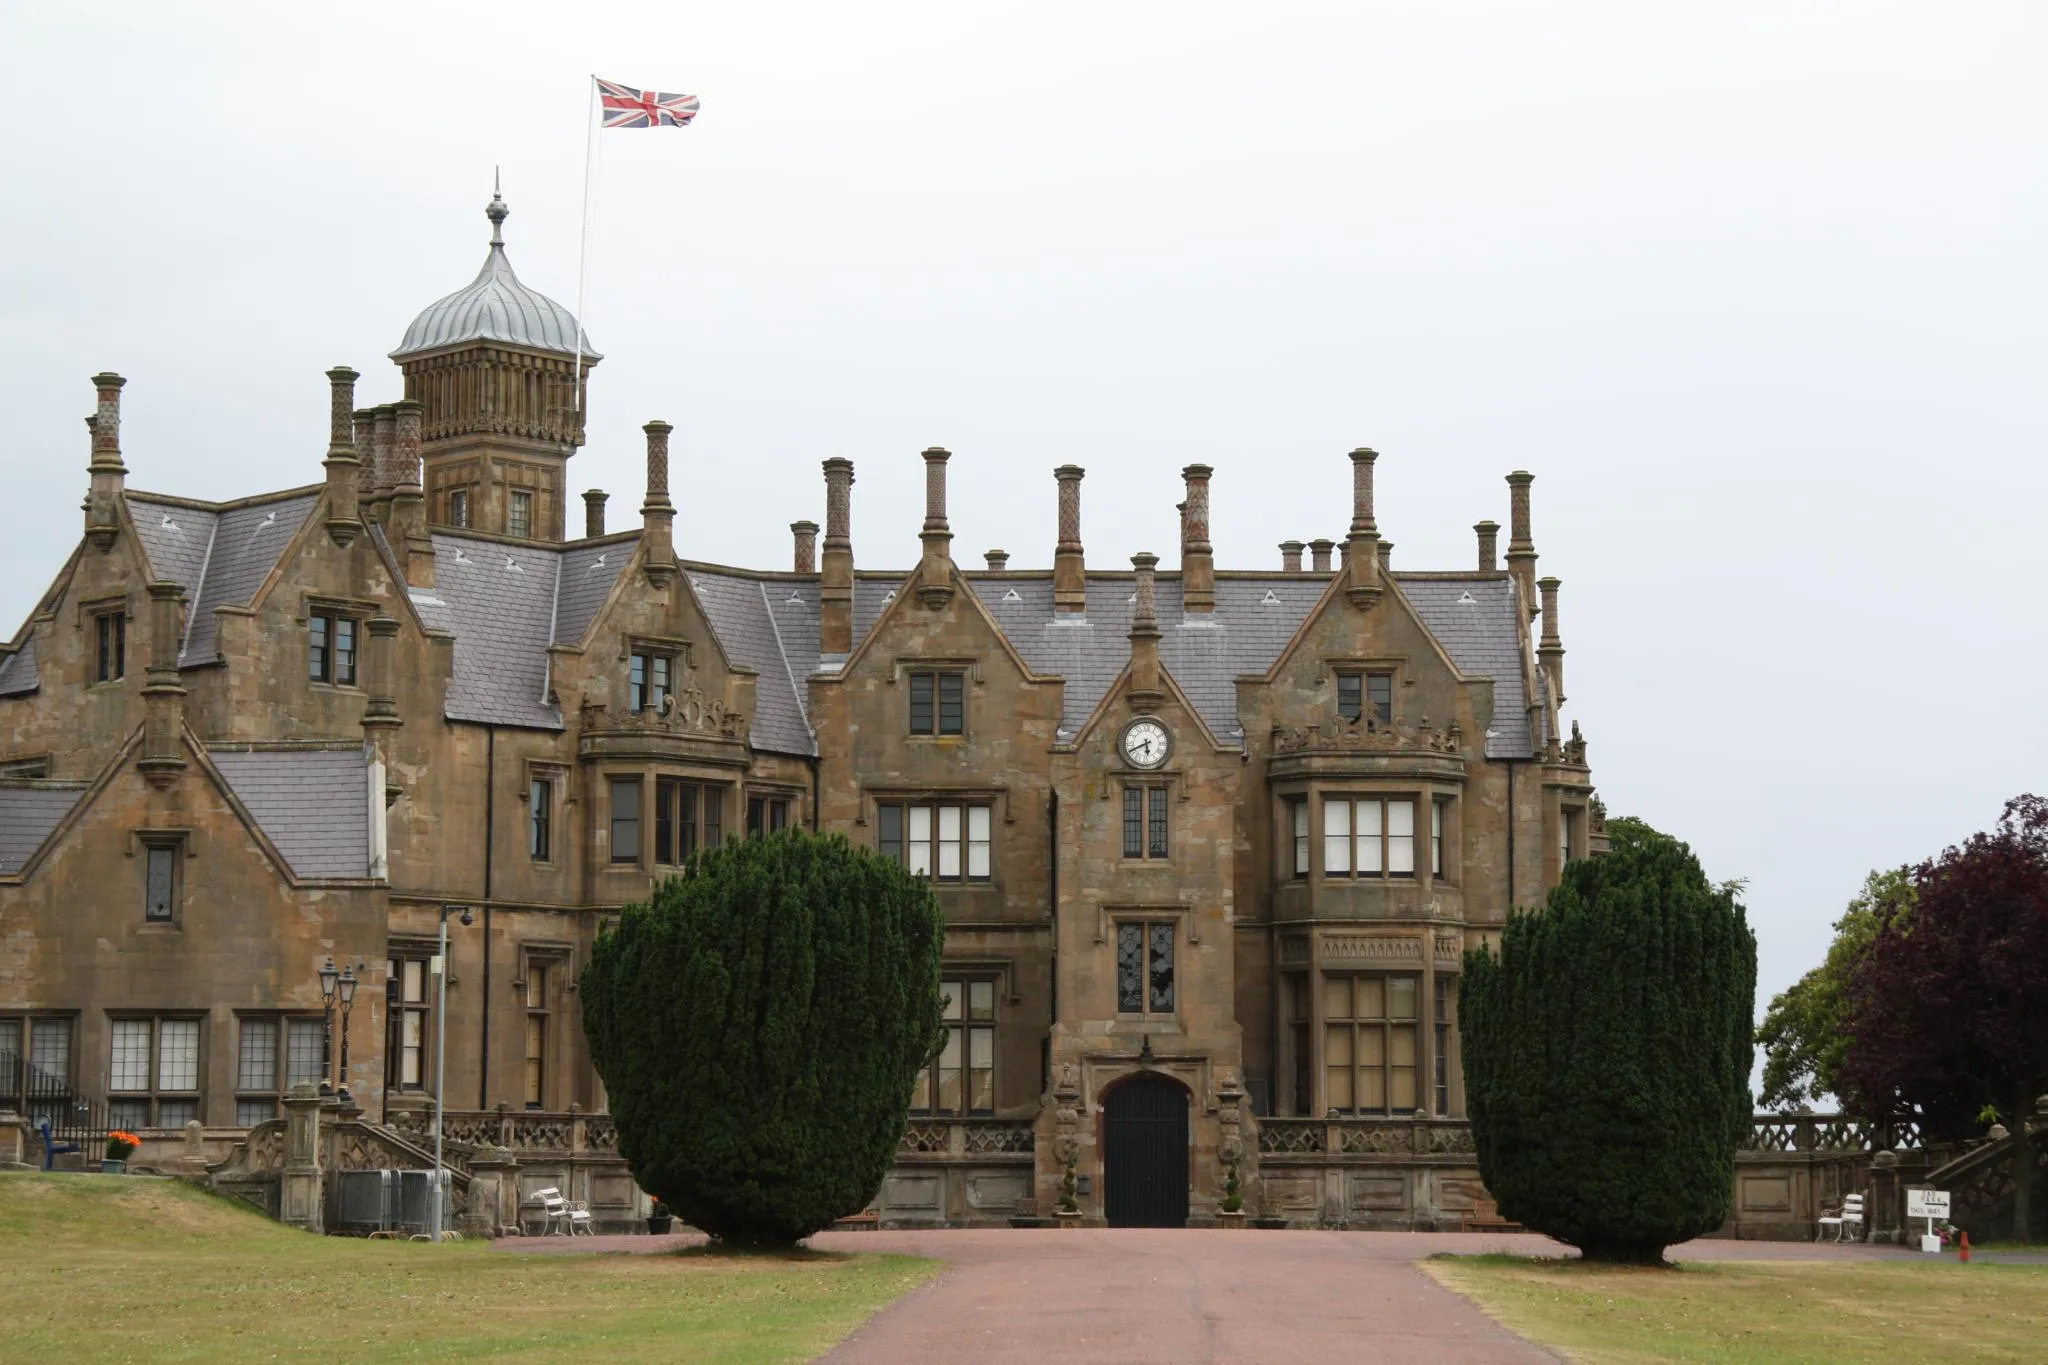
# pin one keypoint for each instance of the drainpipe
(814, 793)
(483, 1070)
(1052, 840)
(1511, 836)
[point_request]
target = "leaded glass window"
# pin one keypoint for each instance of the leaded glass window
(1145, 967)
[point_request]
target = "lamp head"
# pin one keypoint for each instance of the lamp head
(328, 978)
(347, 986)
(467, 918)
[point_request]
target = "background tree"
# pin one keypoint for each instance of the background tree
(1607, 1052)
(1805, 1031)
(1950, 1006)
(759, 1026)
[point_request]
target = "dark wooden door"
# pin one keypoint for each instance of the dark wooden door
(1145, 1164)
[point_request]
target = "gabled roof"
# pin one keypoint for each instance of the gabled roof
(1474, 619)
(761, 628)
(28, 814)
(18, 670)
(312, 804)
(220, 554)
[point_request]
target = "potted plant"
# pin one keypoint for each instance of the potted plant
(119, 1146)
(1232, 1213)
(1069, 1211)
(659, 1219)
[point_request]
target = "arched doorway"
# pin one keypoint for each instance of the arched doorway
(1145, 1156)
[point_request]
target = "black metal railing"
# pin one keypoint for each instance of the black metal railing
(43, 1097)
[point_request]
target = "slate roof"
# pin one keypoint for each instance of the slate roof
(499, 600)
(220, 557)
(18, 670)
(1481, 638)
(28, 814)
(313, 804)
(762, 629)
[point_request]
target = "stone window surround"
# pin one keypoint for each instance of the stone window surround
(356, 609)
(1396, 665)
(180, 840)
(1180, 921)
(1428, 796)
(557, 776)
(962, 1030)
(25, 768)
(88, 613)
(397, 953)
(648, 776)
(968, 666)
(156, 1093)
(281, 1079)
(28, 1019)
(557, 958)
(773, 791)
(1302, 966)
(1169, 788)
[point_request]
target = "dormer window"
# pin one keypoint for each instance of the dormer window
(331, 648)
(519, 515)
(650, 680)
(1356, 692)
(938, 703)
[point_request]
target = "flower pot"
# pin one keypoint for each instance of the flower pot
(659, 1223)
(1230, 1220)
(1068, 1218)
(113, 1166)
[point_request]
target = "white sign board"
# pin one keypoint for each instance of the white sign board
(1926, 1203)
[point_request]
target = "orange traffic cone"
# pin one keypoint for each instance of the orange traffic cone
(1966, 1246)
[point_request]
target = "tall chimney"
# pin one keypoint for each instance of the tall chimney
(408, 515)
(1386, 558)
(1069, 570)
(935, 573)
(1319, 551)
(1521, 549)
(380, 681)
(1551, 649)
(594, 500)
(657, 514)
(1361, 550)
(1145, 690)
(163, 723)
(343, 466)
(998, 560)
(835, 578)
(109, 476)
(1197, 563)
(1489, 537)
(805, 534)
(375, 475)
(1290, 556)
(384, 459)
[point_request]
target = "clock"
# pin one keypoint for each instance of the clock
(1146, 743)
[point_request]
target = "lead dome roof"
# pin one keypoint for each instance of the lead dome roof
(495, 306)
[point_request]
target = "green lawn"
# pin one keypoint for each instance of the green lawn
(1831, 1311)
(115, 1268)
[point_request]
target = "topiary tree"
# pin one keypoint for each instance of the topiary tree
(1607, 1052)
(759, 1026)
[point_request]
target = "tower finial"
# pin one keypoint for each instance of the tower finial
(496, 211)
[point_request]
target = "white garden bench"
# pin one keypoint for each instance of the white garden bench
(1850, 1215)
(554, 1211)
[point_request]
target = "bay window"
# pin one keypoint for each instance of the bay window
(948, 841)
(1368, 837)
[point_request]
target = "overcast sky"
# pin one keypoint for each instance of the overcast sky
(1755, 289)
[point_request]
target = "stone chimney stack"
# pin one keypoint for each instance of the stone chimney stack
(1489, 538)
(1145, 690)
(1319, 551)
(373, 481)
(380, 681)
(1550, 651)
(109, 476)
(1197, 562)
(1386, 558)
(1361, 547)
(805, 537)
(835, 577)
(658, 514)
(343, 465)
(1521, 549)
(594, 500)
(998, 560)
(935, 573)
(408, 515)
(1290, 556)
(163, 724)
(384, 459)
(1069, 570)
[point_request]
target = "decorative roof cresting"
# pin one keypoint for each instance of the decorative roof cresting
(495, 306)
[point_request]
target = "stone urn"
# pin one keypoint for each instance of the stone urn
(1068, 1218)
(1231, 1220)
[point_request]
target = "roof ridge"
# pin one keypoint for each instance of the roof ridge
(198, 589)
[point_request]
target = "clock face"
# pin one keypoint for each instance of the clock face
(1146, 743)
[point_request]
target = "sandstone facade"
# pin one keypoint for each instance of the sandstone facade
(1232, 829)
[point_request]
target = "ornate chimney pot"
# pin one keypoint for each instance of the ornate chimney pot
(343, 465)
(835, 578)
(1319, 551)
(804, 535)
(657, 514)
(1197, 561)
(1145, 690)
(1290, 556)
(1361, 555)
(108, 475)
(1069, 570)
(935, 574)
(1521, 545)
(998, 560)
(593, 512)
(1489, 537)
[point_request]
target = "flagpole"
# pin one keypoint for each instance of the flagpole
(590, 122)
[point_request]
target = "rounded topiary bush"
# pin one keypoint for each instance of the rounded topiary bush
(1607, 1052)
(759, 1025)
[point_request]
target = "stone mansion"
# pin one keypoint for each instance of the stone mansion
(1211, 842)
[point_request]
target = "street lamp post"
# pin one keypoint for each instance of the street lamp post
(329, 980)
(345, 989)
(441, 1071)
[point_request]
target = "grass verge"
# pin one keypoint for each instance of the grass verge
(1832, 1311)
(105, 1268)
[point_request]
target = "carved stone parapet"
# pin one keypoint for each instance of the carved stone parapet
(1369, 734)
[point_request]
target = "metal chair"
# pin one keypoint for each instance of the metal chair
(580, 1220)
(554, 1211)
(1850, 1214)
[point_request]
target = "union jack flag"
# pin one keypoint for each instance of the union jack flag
(625, 107)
